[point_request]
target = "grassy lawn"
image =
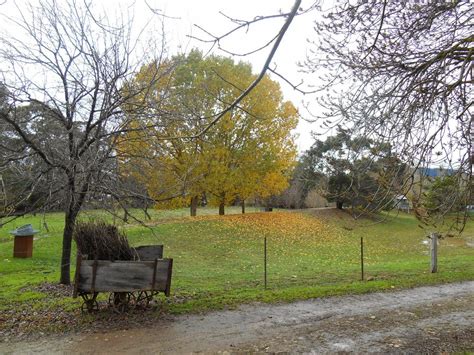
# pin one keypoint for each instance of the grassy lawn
(218, 261)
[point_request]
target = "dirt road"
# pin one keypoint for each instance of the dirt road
(425, 319)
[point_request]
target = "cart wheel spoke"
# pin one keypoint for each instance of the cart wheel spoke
(89, 303)
(143, 298)
(120, 301)
(131, 300)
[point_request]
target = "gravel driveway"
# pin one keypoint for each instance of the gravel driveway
(419, 320)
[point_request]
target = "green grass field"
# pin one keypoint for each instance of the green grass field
(218, 260)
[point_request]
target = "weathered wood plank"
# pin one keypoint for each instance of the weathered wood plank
(124, 276)
(76, 275)
(149, 252)
(168, 283)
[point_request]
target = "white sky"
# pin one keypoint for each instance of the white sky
(205, 13)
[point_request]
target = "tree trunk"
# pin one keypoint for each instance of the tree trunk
(221, 209)
(193, 207)
(339, 205)
(70, 222)
(242, 203)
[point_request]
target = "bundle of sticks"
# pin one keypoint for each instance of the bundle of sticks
(101, 241)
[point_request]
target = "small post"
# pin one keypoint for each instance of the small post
(362, 258)
(265, 261)
(153, 280)
(434, 252)
(94, 274)
(76, 275)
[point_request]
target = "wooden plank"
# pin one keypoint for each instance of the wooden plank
(124, 276)
(153, 281)
(76, 274)
(94, 275)
(168, 283)
(150, 252)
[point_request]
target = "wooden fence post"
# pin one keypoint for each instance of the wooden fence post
(434, 252)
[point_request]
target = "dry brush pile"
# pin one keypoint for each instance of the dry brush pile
(101, 241)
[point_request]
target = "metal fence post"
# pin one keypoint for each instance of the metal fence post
(434, 252)
(362, 258)
(265, 261)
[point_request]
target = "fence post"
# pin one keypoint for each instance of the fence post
(362, 258)
(434, 252)
(265, 261)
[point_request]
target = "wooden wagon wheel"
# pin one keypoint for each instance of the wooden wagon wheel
(89, 302)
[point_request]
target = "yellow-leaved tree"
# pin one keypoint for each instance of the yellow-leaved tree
(249, 152)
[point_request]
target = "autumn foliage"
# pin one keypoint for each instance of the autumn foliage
(249, 152)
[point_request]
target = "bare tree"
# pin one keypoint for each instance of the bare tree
(63, 72)
(401, 72)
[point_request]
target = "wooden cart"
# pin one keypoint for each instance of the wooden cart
(130, 283)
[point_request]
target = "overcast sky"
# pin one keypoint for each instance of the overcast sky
(205, 13)
(182, 15)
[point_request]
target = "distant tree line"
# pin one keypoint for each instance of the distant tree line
(347, 170)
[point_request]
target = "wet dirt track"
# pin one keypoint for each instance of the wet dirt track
(421, 320)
